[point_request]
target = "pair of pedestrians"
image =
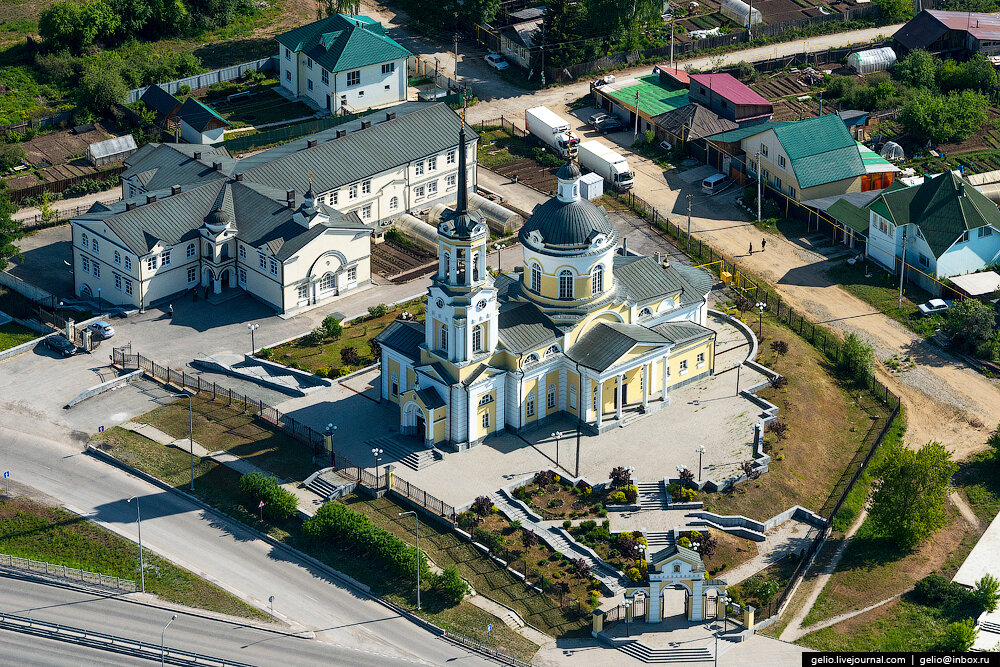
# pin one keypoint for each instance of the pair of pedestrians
(763, 246)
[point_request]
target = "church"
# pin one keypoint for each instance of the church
(581, 328)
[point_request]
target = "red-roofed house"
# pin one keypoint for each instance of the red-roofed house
(957, 34)
(728, 98)
(673, 75)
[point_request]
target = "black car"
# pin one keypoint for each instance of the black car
(60, 345)
(609, 124)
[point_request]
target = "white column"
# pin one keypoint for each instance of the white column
(653, 603)
(543, 397)
(618, 394)
(600, 402)
(452, 265)
(645, 384)
(665, 377)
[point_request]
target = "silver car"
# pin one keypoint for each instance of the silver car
(101, 329)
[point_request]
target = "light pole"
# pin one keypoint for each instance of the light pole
(680, 471)
(738, 366)
(627, 604)
(270, 605)
(377, 451)
(701, 452)
(725, 612)
(162, 634)
(253, 326)
(416, 531)
(499, 247)
(761, 306)
(758, 187)
(557, 435)
(689, 224)
(190, 398)
(138, 524)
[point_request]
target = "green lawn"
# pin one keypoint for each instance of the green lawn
(301, 353)
(498, 147)
(979, 481)
(761, 588)
(881, 291)
(264, 107)
(13, 334)
(32, 530)
(218, 486)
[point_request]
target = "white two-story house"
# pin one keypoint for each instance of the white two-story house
(950, 229)
(343, 63)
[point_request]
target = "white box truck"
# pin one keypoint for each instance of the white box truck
(552, 130)
(612, 166)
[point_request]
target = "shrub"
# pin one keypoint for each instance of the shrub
(334, 329)
(528, 537)
(856, 357)
(633, 574)
(337, 522)
(581, 568)
(184, 90)
(482, 506)
(750, 469)
(349, 355)
(778, 381)
(779, 347)
(631, 493)
(681, 494)
(987, 592)
(515, 524)
(745, 72)
(567, 523)
(265, 353)
(628, 547)
(779, 428)
(11, 155)
(343, 370)
(467, 519)
(280, 503)
(960, 636)
(326, 371)
(620, 476)
(617, 498)
(684, 542)
(380, 310)
(687, 477)
(316, 336)
(450, 585)
(544, 477)
(936, 591)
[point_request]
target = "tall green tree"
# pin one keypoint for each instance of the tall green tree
(970, 324)
(917, 69)
(10, 230)
(101, 88)
(895, 10)
(564, 43)
(908, 498)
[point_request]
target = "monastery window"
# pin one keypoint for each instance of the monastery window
(477, 338)
(366, 187)
(243, 276)
(550, 399)
(165, 258)
(118, 257)
(419, 167)
(418, 192)
(781, 161)
(553, 349)
(393, 203)
(190, 250)
(288, 75)
(701, 359)
(273, 266)
(684, 367)
(261, 261)
(242, 250)
(677, 568)
(192, 274)
(97, 246)
(432, 164)
(352, 274)
(288, 54)
(595, 399)
(366, 212)
(309, 84)
(983, 231)
(536, 278)
(475, 266)
(572, 397)
(443, 343)
(309, 63)
(327, 283)
(151, 262)
(529, 405)
(763, 150)
(451, 157)
(352, 192)
(432, 188)
(325, 77)
(128, 287)
(565, 284)
(97, 270)
(128, 263)
(486, 420)
(85, 240)
(645, 312)
(597, 286)
(118, 282)
(486, 399)
(450, 181)
(395, 385)
(531, 359)
(303, 291)
(334, 196)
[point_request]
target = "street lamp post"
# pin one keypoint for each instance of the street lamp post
(253, 326)
(162, 635)
(138, 523)
(689, 224)
(627, 604)
(499, 247)
(738, 366)
(416, 531)
(557, 435)
(725, 612)
(701, 452)
(377, 451)
(761, 306)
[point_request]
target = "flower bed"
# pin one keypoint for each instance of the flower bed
(621, 550)
(553, 497)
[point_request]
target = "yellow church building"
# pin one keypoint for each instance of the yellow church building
(578, 329)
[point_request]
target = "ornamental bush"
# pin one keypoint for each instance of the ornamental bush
(279, 503)
(336, 522)
(451, 586)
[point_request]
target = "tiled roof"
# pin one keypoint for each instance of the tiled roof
(341, 42)
(693, 122)
(523, 327)
(729, 87)
(199, 116)
(606, 342)
(403, 336)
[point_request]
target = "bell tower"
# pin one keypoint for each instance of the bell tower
(461, 325)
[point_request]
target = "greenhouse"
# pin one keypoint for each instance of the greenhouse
(873, 60)
(741, 13)
(892, 151)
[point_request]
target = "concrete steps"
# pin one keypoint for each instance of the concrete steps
(329, 484)
(652, 496)
(659, 541)
(644, 653)
(396, 450)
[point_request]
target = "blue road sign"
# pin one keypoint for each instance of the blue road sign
(489, 628)
(6, 473)
(100, 429)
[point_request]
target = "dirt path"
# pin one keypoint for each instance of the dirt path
(965, 510)
(785, 636)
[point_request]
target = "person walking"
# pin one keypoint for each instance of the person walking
(763, 244)
(170, 310)
(751, 247)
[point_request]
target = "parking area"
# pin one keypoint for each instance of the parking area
(47, 261)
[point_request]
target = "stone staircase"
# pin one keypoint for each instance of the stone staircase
(329, 484)
(640, 651)
(399, 451)
(659, 541)
(652, 496)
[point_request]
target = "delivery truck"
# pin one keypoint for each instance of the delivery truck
(551, 130)
(612, 166)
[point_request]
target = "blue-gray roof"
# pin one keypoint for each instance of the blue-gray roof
(642, 279)
(523, 327)
(568, 224)
(160, 166)
(606, 342)
(683, 332)
(403, 336)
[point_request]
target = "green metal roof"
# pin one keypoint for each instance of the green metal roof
(943, 207)
(847, 213)
(742, 133)
(343, 42)
(821, 150)
(654, 98)
(873, 161)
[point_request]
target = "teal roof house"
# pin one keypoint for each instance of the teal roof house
(343, 64)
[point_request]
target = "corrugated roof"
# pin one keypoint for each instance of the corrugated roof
(874, 163)
(821, 150)
(403, 336)
(199, 116)
(159, 166)
(683, 332)
(343, 42)
(606, 342)
(693, 122)
(430, 398)
(113, 146)
(734, 136)
(853, 216)
(523, 327)
(159, 100)
(930, 25)
(655, 96)
(574, 223)
(642, 279)
(729, 87)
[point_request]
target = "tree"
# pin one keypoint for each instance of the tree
(334, 329)
(895, 10)
(10, 230)
(620, 476)
(48, 211)
(349, 355)
(479, 11)
(987, 592)
(970, 323)
(856, 357)
(59, 24)
(940, 118)
(451, 586)
(11, 155)
(907, 503)
(960, 636)
(918, 69)
(101, 88)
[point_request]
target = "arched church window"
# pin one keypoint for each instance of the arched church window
(477, 338)
(597, 285)
(531, 359)
(475, 267)
(645, 312)
(393, 203)
(565, 284)
(553, 349)
(536, 278)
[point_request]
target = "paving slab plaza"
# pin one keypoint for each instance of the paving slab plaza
(707, 412)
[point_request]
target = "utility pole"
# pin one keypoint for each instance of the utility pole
(902, 270)
(436, 73)
(758, 187)
(541, 53)
(689, 224)
(750, 21)
(671, 37)
(455, 36)
(636, 134)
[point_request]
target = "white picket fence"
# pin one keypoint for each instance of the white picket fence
(205, 79)
(70, 573)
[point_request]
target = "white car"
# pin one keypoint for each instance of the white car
(934, 306)
(496, 61)
(596, 118)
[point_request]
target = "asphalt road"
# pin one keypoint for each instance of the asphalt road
(220, 551)
(30, 651)
(189, 632)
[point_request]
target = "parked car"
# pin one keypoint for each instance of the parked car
(609, 124)
(496, 61)
(60, 345)
(596, 118)
(934, 306)
(101, 329)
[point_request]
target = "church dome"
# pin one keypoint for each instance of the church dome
(218, 218)
(567, 225)
(568, 172)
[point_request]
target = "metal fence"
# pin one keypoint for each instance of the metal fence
(35, 222)
(492, 651)
(322, 454)
(504, 124)
(70, 573)
(283, 134)
(208, 78)
(21, 194)
(37, 123)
